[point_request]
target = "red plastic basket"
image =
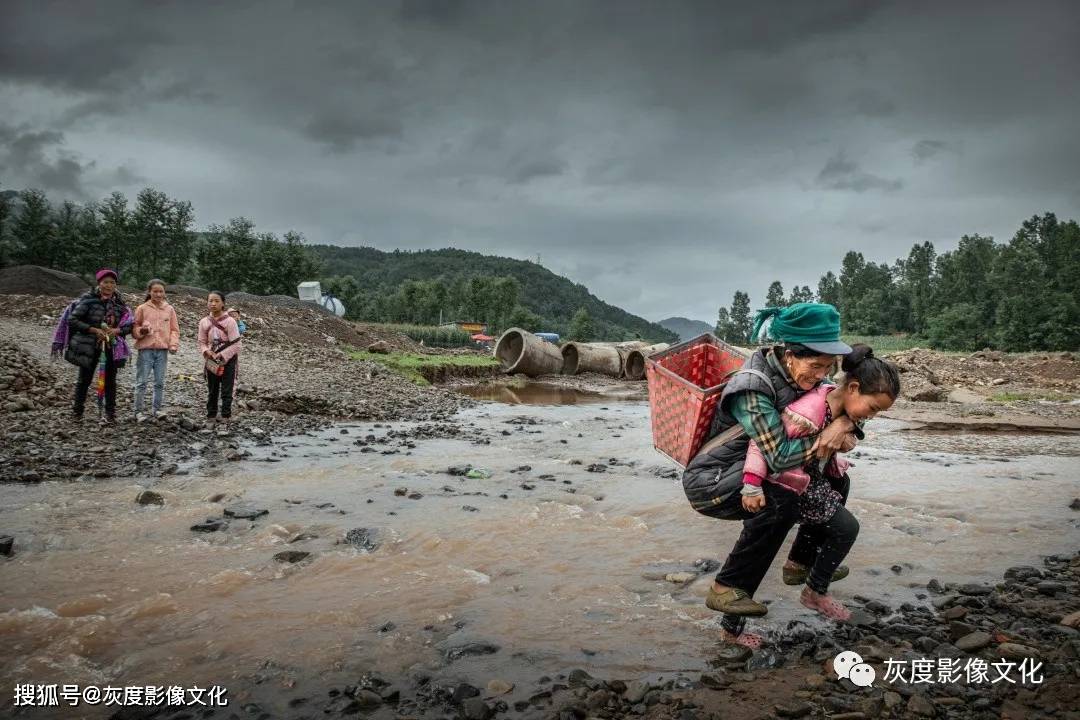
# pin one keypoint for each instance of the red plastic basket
(685, 382)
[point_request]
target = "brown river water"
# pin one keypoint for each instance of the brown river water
(559, 574)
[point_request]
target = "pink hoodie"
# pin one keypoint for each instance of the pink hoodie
(161, 321)
(208, 332)
(805, 416)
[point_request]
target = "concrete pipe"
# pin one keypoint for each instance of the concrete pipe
(519, 351)
(583, 357)
(624, 351)
(635, 360)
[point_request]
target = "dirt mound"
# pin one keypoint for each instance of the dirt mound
(998, 372)
(281, 301)
(34, 280)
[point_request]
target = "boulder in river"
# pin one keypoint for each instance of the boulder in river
(6, 543)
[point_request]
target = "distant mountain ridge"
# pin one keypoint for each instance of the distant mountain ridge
(552, 297)
(686, 328)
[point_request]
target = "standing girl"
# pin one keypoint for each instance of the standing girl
(157, 334)
(219, 343)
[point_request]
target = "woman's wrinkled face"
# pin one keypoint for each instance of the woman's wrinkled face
(861, 406)
(214, 303)
(157, 293)
(107, 286)
(808, 372)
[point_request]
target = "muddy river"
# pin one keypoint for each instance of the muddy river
(555, 554)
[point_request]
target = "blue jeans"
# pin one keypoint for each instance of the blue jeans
(150, 361)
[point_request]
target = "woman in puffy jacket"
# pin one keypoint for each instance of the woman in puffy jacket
(98, 324)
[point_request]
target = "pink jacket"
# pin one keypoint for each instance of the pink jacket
(804, 417)
(161, 321)
(207, 333)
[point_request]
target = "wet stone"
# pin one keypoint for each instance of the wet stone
(974, 641)
(291, 556)
(1050, 587)
(149, 497)
(918, 705)
(1022, 573)
(475, 709)
(974, 589)
(210, 525)
(363, 538)
(245, 512)
(955, 613)
(471, 649)
(6, 543)
(793, 710)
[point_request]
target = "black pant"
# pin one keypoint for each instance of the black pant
(86, 377)
(220, 385)
(763, 535)
(839, 535)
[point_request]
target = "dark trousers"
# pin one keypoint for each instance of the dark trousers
(220, 387)
(839, 535)
(764, 534)
(87, 376)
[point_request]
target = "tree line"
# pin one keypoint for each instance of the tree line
(152, 238)
(155, 237)
(1020, 296)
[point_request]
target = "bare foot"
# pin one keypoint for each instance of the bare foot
(746, 639)
(827, 605)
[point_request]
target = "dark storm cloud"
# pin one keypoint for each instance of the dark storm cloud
(926, 149)
(38, 156)
(840, 173)
(666, 154)
(872, 103)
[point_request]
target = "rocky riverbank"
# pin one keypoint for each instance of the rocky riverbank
(295, 375)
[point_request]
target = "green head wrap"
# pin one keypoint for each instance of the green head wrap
(815, 325)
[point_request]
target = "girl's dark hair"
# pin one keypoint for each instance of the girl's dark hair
(151, 284)
(219, 294)
(801, 351)
(873, 374)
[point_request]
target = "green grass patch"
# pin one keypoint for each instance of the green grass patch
(884, 344)
(412, 366)
(434, 336)
(1052, 395)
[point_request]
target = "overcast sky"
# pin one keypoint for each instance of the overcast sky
(664, 154)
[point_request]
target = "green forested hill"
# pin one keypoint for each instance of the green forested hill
(415, 286)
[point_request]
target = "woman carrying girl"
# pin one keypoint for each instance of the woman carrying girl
(749, 411)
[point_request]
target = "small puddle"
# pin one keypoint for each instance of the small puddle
(535, 393)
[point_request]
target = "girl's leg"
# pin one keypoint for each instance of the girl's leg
(213, 388)
(142, 372)
(811, 537)
(841, 531)
(227, 380)
(733, 631)
(161, 360)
